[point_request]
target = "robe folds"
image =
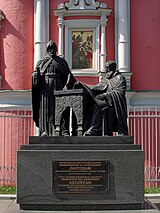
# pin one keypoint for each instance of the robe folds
(109, 93)
(51, 73)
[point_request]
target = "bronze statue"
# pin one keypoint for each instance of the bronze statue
(51, 73)
(109, 103)
(106, 100)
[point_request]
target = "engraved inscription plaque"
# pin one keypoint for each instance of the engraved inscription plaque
(80, 176)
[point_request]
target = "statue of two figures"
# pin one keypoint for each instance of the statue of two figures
(105, 106)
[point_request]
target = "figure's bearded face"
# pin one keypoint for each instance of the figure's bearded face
(110, 70)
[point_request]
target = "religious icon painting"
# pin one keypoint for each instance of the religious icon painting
(82, 49)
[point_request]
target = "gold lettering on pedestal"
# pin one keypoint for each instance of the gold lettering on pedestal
(80, 176)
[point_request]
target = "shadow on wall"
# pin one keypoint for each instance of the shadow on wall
(8, 33)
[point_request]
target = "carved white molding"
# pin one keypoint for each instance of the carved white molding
(84, 12)
(1, 18)
(75, 7)
(82, 4)
(83, 8)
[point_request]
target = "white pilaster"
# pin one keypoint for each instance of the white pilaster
(122, 14)
(123, 50)
(40, 29)
(103, 42)
(103, 55)
(60, 43)
(41, 32)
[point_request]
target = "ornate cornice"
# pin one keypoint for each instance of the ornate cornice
(82, 4)
(76, 7)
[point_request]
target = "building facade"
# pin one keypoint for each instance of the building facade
(87, 32)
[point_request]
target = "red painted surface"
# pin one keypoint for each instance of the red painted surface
(53, 27)
(87, 80)
(110, 33)
(145, 44)
(16, 44)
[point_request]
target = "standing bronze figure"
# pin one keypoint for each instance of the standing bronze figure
(51, 73)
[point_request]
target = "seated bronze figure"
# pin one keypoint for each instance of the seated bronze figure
(109, 104)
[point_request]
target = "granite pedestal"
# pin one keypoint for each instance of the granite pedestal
(80, 173)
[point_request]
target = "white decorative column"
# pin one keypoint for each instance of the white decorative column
(103, 42)
(41, 28)
(60, 39)
(123, 37)
(41, 32)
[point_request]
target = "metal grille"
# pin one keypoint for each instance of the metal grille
(144, 125)
(16, 126)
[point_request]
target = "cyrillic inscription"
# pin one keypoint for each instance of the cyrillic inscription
(80, 176)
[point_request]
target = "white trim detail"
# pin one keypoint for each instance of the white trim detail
(60, 27)
(41, 28)
(13, 99)
(82, 4)
(103, 43)
(22, 98)
(143, 98)
(41, 32)
(98, 26)
(122, 37)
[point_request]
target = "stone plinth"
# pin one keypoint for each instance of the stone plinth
(43, 185)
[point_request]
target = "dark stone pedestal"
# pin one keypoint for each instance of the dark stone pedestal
(80, 173)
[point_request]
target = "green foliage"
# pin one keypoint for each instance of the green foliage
(7, 190)
(152, 190)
